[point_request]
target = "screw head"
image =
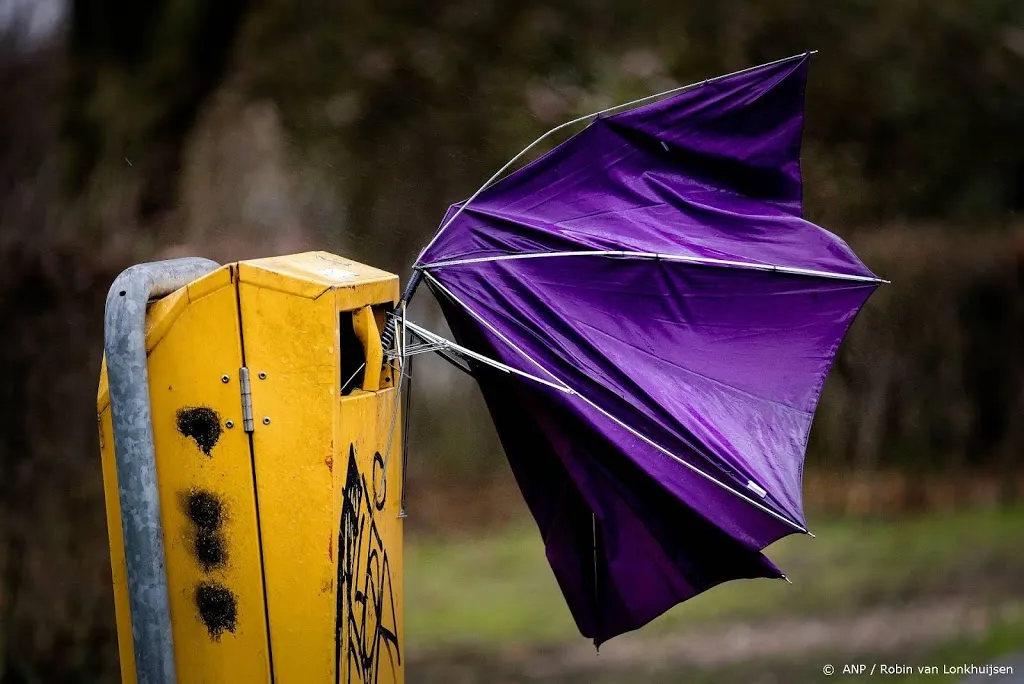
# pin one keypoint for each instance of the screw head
(225, 379)
(262, 376)
(229, 424)
(266, 420)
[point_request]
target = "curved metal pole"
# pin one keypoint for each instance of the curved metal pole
(128, 381)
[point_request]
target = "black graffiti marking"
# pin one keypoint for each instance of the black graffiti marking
(206, 512)
(202, 424)
(366, 601)
(217, 605)
(218, 608)
(379, 496)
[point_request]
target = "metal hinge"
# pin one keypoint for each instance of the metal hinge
(243, 377)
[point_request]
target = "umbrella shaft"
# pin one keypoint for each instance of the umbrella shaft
(387, 338)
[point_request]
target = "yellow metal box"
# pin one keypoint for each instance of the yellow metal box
(278, 454)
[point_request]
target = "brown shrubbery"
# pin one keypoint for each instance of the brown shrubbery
(931, 376)
(56, 616)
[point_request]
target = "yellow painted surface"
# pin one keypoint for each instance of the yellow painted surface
(369, 478)
(312, 490)
(291, 335)
(365, 326)
(160, 316)
(207, 499)
(292, 340)
(125, 649)
(311, 274)
(211, 283)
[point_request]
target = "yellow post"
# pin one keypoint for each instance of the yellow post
(278, 444)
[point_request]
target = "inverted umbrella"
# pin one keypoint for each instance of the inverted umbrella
(651, 320)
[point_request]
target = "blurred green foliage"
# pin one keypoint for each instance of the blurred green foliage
(498, 592)
(490, 610)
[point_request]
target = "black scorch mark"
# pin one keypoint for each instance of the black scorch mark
(366, 603)
(218, 608)
(217, 605)
(202, 424)
(205, 511)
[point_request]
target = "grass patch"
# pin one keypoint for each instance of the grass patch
(497, 591)
(1003, 639)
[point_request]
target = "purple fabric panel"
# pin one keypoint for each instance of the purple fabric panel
(611, 188)
(652, 551)
(694, 222)
(721, 367)
(740, 134)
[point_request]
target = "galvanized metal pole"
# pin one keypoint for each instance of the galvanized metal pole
(128, 379)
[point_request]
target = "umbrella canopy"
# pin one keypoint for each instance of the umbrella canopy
(663, 319)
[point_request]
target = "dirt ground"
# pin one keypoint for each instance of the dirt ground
(760, 650)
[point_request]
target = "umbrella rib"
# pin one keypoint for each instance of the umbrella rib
(437, 339)
(446, 353)
(503, 338)
(701, 261)
(632, 430)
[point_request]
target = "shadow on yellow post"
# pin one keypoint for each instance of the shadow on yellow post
(266, 545)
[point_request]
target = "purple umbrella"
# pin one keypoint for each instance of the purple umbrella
(651, 320)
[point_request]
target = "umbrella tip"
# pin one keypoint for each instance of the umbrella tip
(789, 581)
(811, 535)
